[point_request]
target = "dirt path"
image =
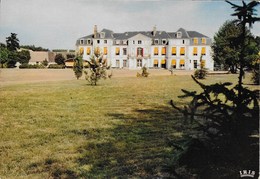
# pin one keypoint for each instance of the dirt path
(20, 76)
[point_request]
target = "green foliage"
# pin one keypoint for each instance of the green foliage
(220, 122)
(59, 59)
(70, 55)
(97, 68)
(202, 72)
(12, 42)
(31, 66)
(33, 48)
(45, 63)
(144, 72)
(78, 66)
(4, 53)
(56, 66)
(24, 57)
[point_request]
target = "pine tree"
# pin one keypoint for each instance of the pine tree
(78, 66)
(97, 68)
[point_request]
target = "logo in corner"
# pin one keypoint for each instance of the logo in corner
(247, 173)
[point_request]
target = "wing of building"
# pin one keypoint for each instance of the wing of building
(154, 49)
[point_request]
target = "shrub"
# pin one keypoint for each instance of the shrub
(31, 66)
(201, 73)
(144, 73)
(56, 66)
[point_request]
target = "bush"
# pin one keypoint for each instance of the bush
(56, 66)
(201, 73)
(144, 73)
(31, 66)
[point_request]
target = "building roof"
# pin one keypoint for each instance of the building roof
(109, 34)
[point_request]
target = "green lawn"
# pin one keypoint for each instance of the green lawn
(71, 129)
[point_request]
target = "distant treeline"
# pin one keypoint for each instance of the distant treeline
(33, 48)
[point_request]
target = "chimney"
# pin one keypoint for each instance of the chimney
(95, 31)
(154, 30)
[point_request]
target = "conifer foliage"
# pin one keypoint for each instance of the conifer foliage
(221, 122)
(97, 68)
(78, 66)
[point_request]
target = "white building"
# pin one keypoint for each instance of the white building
(153, 49)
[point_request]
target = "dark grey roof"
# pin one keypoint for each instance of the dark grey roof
(109, 34)
(184, 33)
(193, 34)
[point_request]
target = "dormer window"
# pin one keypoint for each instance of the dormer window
(102, 34)
(179, 34)
(164, 41)
(139, 42)
(156, 41)
(81, 41)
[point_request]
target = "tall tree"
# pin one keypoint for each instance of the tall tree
(4, 53)
(12, 42)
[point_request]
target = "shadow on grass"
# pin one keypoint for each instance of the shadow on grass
(136, 147)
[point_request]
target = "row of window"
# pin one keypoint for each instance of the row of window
(156, 51)
(139, 42)
(181, 64)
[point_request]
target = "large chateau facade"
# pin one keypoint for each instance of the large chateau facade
(153, 49)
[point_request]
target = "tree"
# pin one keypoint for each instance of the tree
(4, 53)
(97, 68)
(78, 66)
(202, 72)
(12, 42)
(59, 59)
(227, 48)
(45, 62)
(221, 120)
(24, 57)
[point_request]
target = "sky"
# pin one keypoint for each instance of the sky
(57, 24)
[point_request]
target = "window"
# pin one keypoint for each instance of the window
(117, 51)
(124, 51)
(88, 51)
(105, 41)
(124, 63)
(179, 34)
(139, 62)
(182, 51)
(81, 42)
(203, 51)
(81, 50)
(182, 63)
(105, 50)
(173, 63)
(173, 50)
(156, 41)
(163, 63)
(155, 52)
(203, 41)
(203, 63)
(164, 41)
(98, 41)
(195, 64)
(125, 42)
(88, 41)
(139, 42)
(117, 42)
(195, 41)
(117, 63)
(195, 51)
(155, 63)
(183, 41)
(139, 51)
(163, 50)
(102, 34)
(133, 42)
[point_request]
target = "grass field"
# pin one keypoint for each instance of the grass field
(69, 129)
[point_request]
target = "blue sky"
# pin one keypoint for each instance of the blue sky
(57, 24)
